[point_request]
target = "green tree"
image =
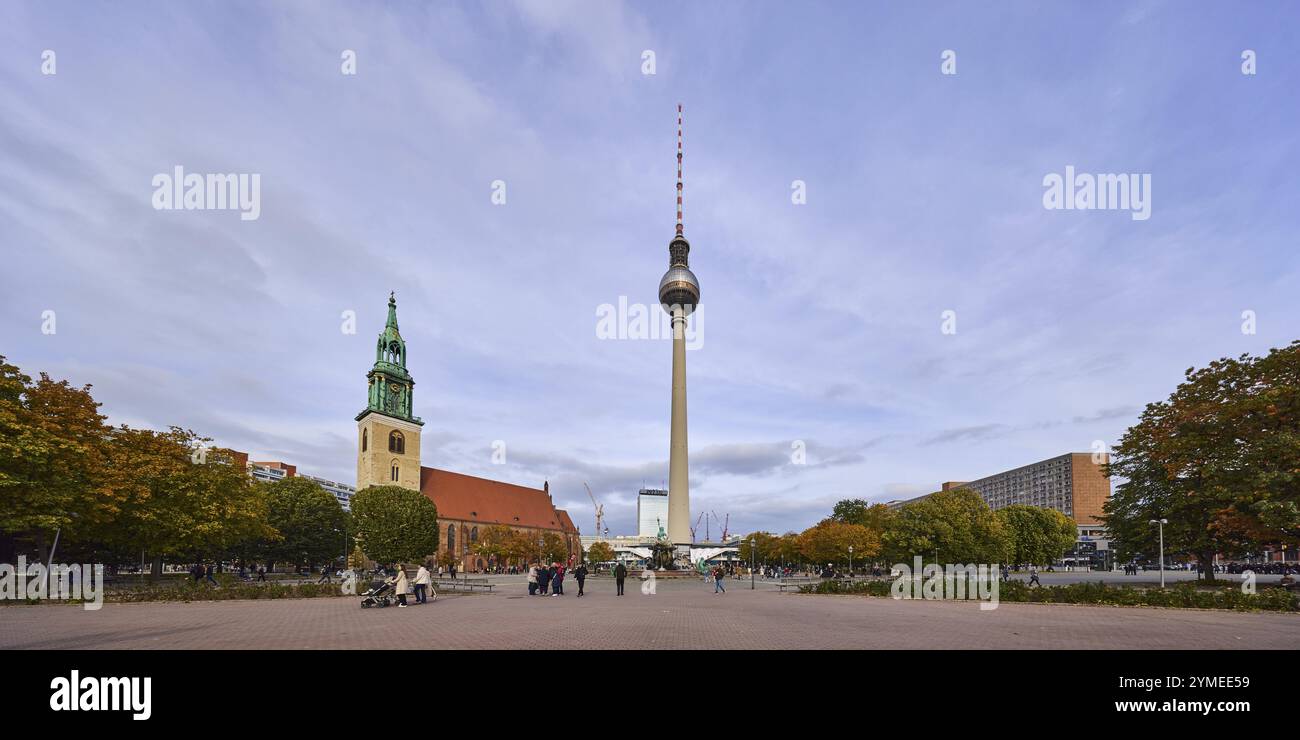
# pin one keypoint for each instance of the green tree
(956, 526)
(600, 552)
(308, 518)
(395, 525)
(857, 511)
(765, 548)
(1219, 459)
(1036, 535)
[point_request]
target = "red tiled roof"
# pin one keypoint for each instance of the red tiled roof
(467, 498)
(565, 522)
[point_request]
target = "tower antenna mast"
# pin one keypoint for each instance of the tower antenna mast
(679, 169)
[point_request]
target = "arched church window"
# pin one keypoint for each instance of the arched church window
(396, 443)
(473, 535)
(396, 471)
(451, 538)
(365, 437)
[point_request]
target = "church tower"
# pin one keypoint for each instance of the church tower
(388, 434)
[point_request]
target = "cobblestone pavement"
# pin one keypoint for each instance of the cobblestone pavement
(680, 615)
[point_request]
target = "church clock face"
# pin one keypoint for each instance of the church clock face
(395, 388)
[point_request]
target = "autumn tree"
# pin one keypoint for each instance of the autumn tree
(553, 548)
(52, 460)
(176, 504)
(496, 543)
(829, 542)
(1219, 459)
(600, 552)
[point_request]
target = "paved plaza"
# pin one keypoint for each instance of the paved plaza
(682, 614)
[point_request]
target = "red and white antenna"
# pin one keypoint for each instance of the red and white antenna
(679, 169)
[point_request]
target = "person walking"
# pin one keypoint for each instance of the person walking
(261, 573)
(400, 585)
(532, 579)
(558, 590)
(620, 575)
(207, 574)
(580, 575)
(1033, 576)
(717, 581)
(422, 580)
(451, 570)
(324, 575)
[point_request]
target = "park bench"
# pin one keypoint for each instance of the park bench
(464, 584)
(795, 582)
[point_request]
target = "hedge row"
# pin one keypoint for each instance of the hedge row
(1185, 595)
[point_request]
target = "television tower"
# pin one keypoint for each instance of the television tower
(679, 293)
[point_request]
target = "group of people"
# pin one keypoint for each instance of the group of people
(402, 585)
(548, 580)
(200, 572)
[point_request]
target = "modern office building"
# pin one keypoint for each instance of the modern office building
(341, 491)
(651, 512)
(1071, 483)
(273, 471)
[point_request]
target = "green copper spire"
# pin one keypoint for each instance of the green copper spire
(390, 384)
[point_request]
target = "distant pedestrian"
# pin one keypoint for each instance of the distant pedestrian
(1033, 577)
(261, 573)
(558, 588)
(207, 574)
(422, 580)
(324, 575)
(580, 575)
(401, 585)
(620, 575)
(717, 581)
(532, 580)
(451, 570)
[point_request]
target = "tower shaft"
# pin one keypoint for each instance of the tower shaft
(679, 495)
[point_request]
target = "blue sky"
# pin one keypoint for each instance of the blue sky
(821, 322)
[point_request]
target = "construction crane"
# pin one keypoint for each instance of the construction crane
(697, 525)
(724, 522)
(600, 509)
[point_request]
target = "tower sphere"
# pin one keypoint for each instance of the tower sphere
(679, 288)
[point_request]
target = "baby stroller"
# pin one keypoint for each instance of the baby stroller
(380, 594)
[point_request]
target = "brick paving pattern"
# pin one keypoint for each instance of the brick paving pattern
(681, 615)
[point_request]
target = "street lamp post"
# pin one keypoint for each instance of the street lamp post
(1161, 523)
(850, 563)
(751, 563)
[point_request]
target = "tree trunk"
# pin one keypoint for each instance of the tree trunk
(1206, 563)
(156, 569)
